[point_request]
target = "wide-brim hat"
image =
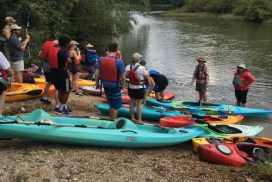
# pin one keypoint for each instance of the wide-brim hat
(201, 59)
(9, 18)
(137, 56)
(89, 45)
(241, 66)
(15, 27)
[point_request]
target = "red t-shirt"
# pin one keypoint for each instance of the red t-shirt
(46, 47)
(246, 79)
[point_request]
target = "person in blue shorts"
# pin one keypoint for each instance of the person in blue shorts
(112, 72)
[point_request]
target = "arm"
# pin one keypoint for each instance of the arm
(194, 76)
(24, 44)
(250, 79)
(123, 80)
(206, 70)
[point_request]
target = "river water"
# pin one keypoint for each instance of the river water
(171, 46)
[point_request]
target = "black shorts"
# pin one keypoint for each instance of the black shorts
(241, 96)
(48, 77)
(136, 93)
(74, 69)
(62, 84)
(160, 83)
(201, 87)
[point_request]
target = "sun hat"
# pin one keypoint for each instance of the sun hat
(201, 59)
(89, 45)
(9, 18)
(73, 42)
(15, 27)
(137, 56)
(242, 66)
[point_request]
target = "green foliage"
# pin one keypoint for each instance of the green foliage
(240, 7)
(259, 10)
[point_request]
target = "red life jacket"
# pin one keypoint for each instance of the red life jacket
(108, 69)
(201, 74)
(133, 77)
(53, 57)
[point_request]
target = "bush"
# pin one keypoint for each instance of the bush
(259, 10)
(220, 6)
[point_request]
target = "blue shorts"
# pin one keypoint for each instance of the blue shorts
(114, 97)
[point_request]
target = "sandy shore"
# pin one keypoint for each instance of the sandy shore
(23, 160)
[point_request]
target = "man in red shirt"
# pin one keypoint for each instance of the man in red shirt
(46, 68)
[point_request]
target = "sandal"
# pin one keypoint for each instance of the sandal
(79, 93)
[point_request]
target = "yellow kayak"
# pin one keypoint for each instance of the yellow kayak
(232, 139)
(23, 91)
(81, 82)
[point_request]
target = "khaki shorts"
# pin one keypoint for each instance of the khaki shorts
(17, 66)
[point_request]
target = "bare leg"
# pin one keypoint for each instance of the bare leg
(139, 110)
(204, 96)
(113, 113)
(46, 89)
(131, 109)
(56, 96)
(2, 102)
(145, 97)
(157, 95)
(20, 77)
(76, 77)
(200, 98)
(244, 104)
(162, 95)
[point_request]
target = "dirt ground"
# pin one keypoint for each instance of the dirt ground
(23, 160)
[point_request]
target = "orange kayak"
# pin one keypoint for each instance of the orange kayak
(51, 91)
(179, 121)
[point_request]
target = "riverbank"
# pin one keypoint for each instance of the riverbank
(23, 160)
(180, 13)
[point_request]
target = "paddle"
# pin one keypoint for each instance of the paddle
(201, 121)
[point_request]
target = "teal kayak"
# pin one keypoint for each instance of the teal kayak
(211, 108)
(149, 113)
(221, 130)
(121, 132)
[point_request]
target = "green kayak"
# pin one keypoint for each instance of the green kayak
(121, 132)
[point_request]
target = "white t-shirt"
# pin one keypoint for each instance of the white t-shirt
(141, 73)
(4, 64)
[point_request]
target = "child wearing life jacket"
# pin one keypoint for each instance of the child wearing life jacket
(241, 81)
(136, 74)
(201, 75)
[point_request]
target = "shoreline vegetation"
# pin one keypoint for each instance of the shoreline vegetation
(257, 11)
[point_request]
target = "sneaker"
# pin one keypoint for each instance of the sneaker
(68, 109)
(46, 101)
(58, 110)
(65, 111)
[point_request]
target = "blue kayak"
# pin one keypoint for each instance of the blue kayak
(121, 132)
(149, 113)
(210, 108)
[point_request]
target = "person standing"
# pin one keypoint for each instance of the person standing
(137, 74)
(201, 75)
(58, 58)
(6, 34)
(241, 81)
(16, 51)
(75, 57)
(112, 72)
(90, 60)
(43, 54)
(5, 79)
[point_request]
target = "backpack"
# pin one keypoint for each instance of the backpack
(91, 58)
(133, 77)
